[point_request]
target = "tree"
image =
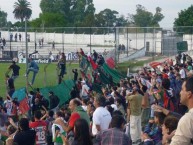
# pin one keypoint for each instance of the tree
(106, 18)
(22, 9)
(3, 18)
(185, 18)
(75, 12)
(144, 18)
(49, 20)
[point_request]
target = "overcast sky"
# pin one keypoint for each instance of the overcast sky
(170, 8)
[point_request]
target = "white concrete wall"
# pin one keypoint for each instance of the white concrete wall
(189, 39)
(137, 40)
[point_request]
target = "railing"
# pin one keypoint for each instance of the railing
(156, 41)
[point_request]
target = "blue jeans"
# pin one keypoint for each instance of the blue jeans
(35, 71)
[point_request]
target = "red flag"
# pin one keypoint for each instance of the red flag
(93, 64)
(24, 106)
(110, 62)
(155, 64)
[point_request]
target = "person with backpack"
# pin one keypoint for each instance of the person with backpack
(54, 101)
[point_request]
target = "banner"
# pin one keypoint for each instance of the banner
(5, 60)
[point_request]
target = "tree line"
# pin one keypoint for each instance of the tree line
(81, 13)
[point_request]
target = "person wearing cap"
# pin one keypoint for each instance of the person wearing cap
(15, 70)
(33, 67)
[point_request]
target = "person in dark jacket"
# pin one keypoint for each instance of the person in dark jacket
(54, 101)
(75, 71)
(25, 136)
(10, 86)
(15, 70)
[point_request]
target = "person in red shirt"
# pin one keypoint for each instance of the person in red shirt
(40, 127)
(70, 126)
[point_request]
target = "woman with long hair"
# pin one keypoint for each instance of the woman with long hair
(81, 134)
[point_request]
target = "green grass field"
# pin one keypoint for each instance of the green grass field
(20, 82)
(51, 74)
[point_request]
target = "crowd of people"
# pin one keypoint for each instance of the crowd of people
(152, 107)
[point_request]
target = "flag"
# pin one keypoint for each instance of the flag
(20, 94)
(110, 62)
(24, 106)
(155, 64)
(146, 83)
(93, 64)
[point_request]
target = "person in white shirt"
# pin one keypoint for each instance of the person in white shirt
(184, 132)
(8, 105)
(85, 90)
(114, 89)
(84, 104)
(182, 72)
(101, 116)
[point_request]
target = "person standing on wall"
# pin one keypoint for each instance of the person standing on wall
(62, 66)
(33, 66)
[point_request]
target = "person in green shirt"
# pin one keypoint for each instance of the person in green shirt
(57, 130)
(75, 106)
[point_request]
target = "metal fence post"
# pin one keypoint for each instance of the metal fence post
(115, 45)
(26, 45)
(127, 42)
(90, 39)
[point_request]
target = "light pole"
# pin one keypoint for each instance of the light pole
(26, 45)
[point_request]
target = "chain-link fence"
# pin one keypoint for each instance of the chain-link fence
(127, 41)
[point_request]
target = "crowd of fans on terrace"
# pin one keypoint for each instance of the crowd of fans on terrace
(154, 107)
